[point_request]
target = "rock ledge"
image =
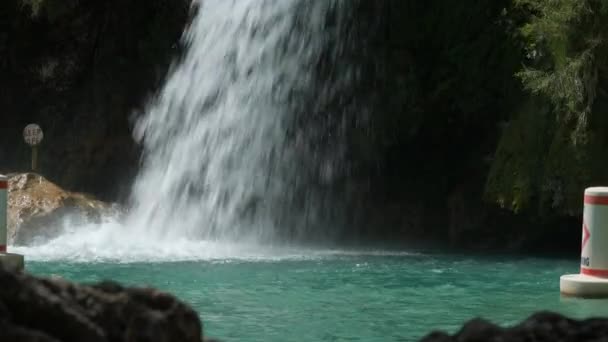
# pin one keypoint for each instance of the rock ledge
(540, 327)
(53, 310)
(37, 206)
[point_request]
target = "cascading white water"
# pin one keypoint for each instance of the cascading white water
(216, 158)
(217, 164)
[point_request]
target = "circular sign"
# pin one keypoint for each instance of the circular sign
(32, 134)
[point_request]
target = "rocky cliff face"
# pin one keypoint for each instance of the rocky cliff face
(81, 70)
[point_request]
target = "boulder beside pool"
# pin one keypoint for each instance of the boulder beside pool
(53, 310)
(37, 206)
(540, 327)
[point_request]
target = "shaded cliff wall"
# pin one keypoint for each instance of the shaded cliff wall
(81, 69)
(480, 123)
(433, 87)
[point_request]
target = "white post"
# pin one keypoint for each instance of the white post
(592, 281)
(594, 246)
(8, 260)
(3, 212)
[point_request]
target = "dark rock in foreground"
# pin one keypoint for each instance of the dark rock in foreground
(543, 326)
(53, 310)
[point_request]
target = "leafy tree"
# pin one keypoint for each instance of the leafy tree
(553, 146)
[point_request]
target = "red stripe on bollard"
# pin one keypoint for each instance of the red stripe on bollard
(594, 272)
(597, 200)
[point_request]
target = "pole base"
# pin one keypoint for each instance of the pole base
(584, 286)
(12, 262)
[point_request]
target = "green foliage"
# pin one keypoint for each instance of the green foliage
(514, 177)
(554, 149)
(565, 43)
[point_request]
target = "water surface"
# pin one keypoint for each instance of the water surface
(346, 296)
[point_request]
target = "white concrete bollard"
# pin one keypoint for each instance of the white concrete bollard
(593, 278)
(8, 260)
(3, 212)
(594, 246)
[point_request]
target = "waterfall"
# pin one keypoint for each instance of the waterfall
(217, 161)
(228, 162)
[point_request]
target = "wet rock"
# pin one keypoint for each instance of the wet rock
(45, 310)
(37, 208)
(540, 327)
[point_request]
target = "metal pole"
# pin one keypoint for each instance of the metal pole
(34, 157)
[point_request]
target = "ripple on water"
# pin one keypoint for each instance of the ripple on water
(366, 296)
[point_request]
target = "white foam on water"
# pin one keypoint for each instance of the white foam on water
(101, 243)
